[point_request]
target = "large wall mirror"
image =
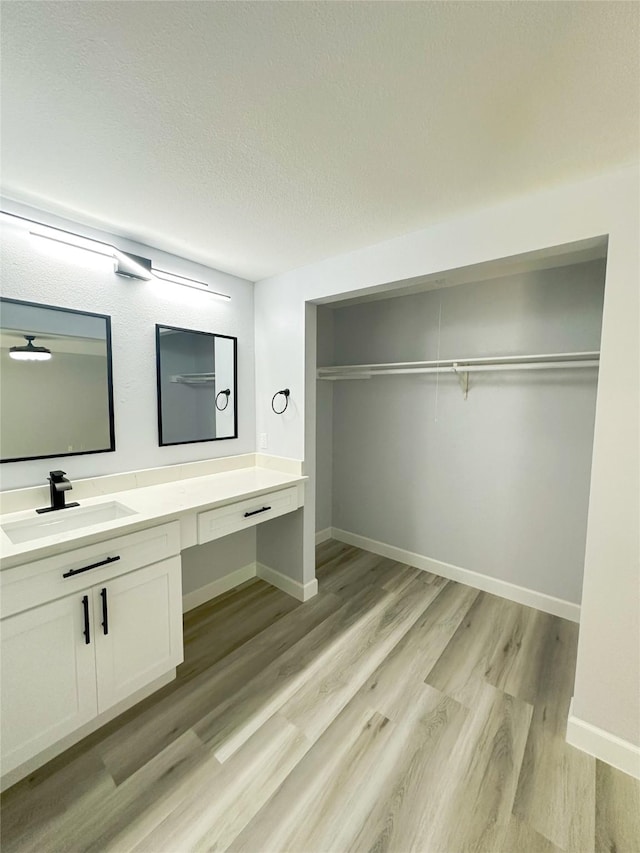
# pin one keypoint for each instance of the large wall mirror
(56, 393)
(197, 386)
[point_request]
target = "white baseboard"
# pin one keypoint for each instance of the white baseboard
(217, 587)
(303, 592)
(323, 535)
(504, 589)
(600, 743)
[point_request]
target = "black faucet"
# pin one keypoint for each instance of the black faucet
(58, 485)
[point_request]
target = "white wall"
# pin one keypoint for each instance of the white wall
(324, 423)
(42, 271)
(225, 423)
(607, 692)
(498, 483)
(204, 564)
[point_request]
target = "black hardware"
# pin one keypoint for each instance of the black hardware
(85, 608)
(58, 485)
(106, 562)
(105, 612)
(256, 511)
(226, 391)
(285, 393)
(54, 508)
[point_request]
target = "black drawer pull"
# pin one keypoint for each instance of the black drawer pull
(85, 609)
(105, 612)
(256, 511)
(106, 562)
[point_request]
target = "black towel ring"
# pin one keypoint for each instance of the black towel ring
(227, 392)
(285, 393)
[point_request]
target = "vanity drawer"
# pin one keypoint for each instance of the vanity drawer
(215, 523)
(34, 583)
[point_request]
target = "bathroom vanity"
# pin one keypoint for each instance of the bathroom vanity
(92, 570)
(91, 600)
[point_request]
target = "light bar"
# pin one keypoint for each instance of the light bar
(68, 238)
(174, 278)
(125, 263)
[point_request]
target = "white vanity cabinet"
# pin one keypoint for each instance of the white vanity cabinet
(143, 639)
(88, 630)
(215, 523)
(48, 678)
(83, 631)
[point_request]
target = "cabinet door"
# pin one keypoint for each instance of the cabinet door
(48, 676)
(143, 636)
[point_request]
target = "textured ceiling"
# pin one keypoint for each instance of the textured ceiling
(257, 137)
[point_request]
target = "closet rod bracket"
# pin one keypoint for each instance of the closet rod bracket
(463, 378)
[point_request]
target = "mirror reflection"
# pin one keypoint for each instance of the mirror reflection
(196, 374)
(56, 395)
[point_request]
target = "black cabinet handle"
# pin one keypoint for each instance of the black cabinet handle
(85, 608)
(256, 511)
(105, 611)
(106, 562)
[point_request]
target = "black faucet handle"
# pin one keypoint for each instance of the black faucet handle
(58, 485)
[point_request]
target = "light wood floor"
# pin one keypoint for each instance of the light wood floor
(395, 711)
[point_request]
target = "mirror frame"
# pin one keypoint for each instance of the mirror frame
(112, 429)
(159, 385)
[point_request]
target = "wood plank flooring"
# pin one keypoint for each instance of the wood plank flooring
(395, 711)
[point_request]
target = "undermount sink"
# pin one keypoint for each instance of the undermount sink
(64, 520)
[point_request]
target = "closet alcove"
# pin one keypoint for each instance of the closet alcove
(484, 470)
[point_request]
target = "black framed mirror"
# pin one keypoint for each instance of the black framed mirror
(56, 387)
(197, 386)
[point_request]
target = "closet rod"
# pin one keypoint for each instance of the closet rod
(194, 378)
(496, 359)
(460, 368)
(548, 361)
(530, 365)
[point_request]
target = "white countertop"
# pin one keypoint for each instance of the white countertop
(152, 505)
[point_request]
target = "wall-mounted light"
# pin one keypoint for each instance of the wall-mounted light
(68, 238)
(29, 352)
(132, 266)
(174, 278)
(125, 263)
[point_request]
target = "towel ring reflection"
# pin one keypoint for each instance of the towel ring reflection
(285, 393)
(226, 392)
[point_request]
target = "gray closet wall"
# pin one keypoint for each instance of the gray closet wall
(497, 483)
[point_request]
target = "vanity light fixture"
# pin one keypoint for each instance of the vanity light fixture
(68, 238)
(174, 278)
(132, 266)
(29, 352)
(125, 263)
